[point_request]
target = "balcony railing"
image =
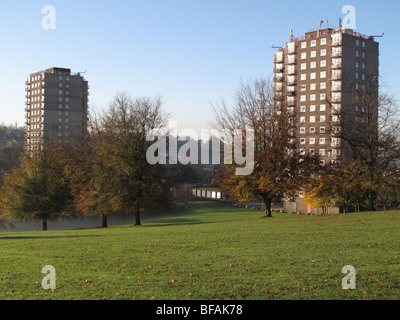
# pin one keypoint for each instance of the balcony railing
(336, 88)
(336, 76)
(336, 53)
(336, 66)
(335, 43)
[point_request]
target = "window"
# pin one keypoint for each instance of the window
(322, 108)
(302, 130)
(312, 119)
(313, 43)
(357, 75)
(60, 99)
(357, 64)
(303, 98)
(303, 77)
(302, 152)
(313, 65)
(323, 52)
(321, 141)
(304, 55)
(322, 85)
(313, 54)
(312, 108)
(321, 152)
(312, 97)
(67, 78)
(304, 45)
(335, 119)
(363, 44)
(303, 109)
(60, 106)
(302, 119)
(357, 53)
(323, 41)
(59, 119)
(322, 96)
(60, 78)
(302, 141)
(313, 75)
(357, 42)
(66, 99)
(322, 63)
(312, 140)
(323, 74)
(312, 130)
(303, 87)
(322, 118)
(363, 54)
(312, 86)
(60, 92)
(303, 66)
(363, 65)
(322, 130)
(60, 85)
(363, 76)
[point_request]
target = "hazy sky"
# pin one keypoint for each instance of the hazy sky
(191, 52)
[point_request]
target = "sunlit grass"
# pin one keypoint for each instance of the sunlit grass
(214, 252)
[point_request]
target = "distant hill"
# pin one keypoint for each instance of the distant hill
(11, 133)
(11, 147)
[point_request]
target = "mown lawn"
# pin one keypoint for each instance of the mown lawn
(214, 252)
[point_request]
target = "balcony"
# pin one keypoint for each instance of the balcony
(278, 59)
(291, 71)
(336, 76)
(336, 99)
(335, 43)
(336, 88)
(336, 54)
(336, 66)
(279, 68)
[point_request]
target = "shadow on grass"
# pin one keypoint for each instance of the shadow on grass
(14, 237)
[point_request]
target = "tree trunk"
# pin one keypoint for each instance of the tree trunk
(104, 221)
(137, 217)
(268, 204)
(371, 201)
(45, 224)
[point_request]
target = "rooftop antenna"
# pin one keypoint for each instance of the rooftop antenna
(291, 34)
(320, 26)
(381, 36)
(340, 23)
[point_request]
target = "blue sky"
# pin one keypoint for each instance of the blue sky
(190, 52)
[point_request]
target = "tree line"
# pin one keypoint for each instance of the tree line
(105, 173)
(367, 177)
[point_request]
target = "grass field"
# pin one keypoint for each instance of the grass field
(215, 252)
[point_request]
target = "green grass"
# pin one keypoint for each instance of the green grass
(214, 252)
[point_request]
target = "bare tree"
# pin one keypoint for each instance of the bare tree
(280, 170)
(368, 123)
